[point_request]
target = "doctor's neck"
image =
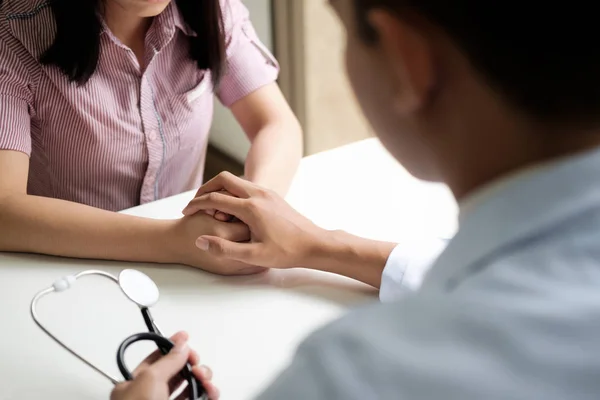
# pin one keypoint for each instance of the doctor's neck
(485, 140)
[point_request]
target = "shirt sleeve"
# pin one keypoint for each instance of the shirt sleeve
(15, 99)
(250, 65)
(406, 267)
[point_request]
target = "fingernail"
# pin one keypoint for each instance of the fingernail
(183, 335)
(180, 347)
(202, 244)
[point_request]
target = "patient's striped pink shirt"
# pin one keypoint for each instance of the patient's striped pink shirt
(129, 136)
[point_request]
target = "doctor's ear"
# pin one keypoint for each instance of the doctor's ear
(407, 54)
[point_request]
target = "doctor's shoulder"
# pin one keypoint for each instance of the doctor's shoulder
(458, 345)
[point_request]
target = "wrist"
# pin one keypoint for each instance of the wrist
(331, 252)
(146, 240)
(344, 254)
(168, 238)
(315, 249)
(279, 183)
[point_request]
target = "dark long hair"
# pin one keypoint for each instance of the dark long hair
(76, 46)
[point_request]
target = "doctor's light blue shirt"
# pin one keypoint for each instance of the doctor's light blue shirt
(509, 310)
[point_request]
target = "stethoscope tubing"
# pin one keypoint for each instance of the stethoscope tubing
(34, 315)
(165, 345)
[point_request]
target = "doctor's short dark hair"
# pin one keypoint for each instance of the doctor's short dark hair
(76, 46)
(541, 56)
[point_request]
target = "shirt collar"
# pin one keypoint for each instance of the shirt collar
(471, 201)
(516, 208)
(178, 20)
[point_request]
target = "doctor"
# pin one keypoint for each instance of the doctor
(501, 101)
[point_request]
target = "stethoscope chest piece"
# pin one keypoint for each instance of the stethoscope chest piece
(138, 287)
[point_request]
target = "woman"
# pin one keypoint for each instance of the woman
(106, 104)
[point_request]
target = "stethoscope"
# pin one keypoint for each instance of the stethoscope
(141, 290)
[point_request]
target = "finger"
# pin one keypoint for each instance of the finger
(172, 363)
(219, 247)
(213, 213)
(221, 216)
(211, 390)
(120, 391)
(227, 181)
(156, 355)
(194, 357)
(232, 231)
(176, 381)
(218, 215)
(219, 201)
(204, 375)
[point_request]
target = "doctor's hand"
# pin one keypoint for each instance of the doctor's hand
(280, 236)
(186, 230)
(220, 215)
(157, 377)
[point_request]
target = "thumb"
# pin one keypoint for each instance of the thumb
(120, 391)
(172, 363)
(219, 247)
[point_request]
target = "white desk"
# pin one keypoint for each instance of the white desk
(245, 328)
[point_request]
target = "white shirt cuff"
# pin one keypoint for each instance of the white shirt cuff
(406, 268)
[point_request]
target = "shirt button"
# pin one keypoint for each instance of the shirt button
(152, 135)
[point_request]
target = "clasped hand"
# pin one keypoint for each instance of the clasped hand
(184, 232)
(280, 237)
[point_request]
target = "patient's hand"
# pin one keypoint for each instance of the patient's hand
(184, 232)
(220, 215)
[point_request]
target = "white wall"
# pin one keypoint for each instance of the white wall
(226, 134)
